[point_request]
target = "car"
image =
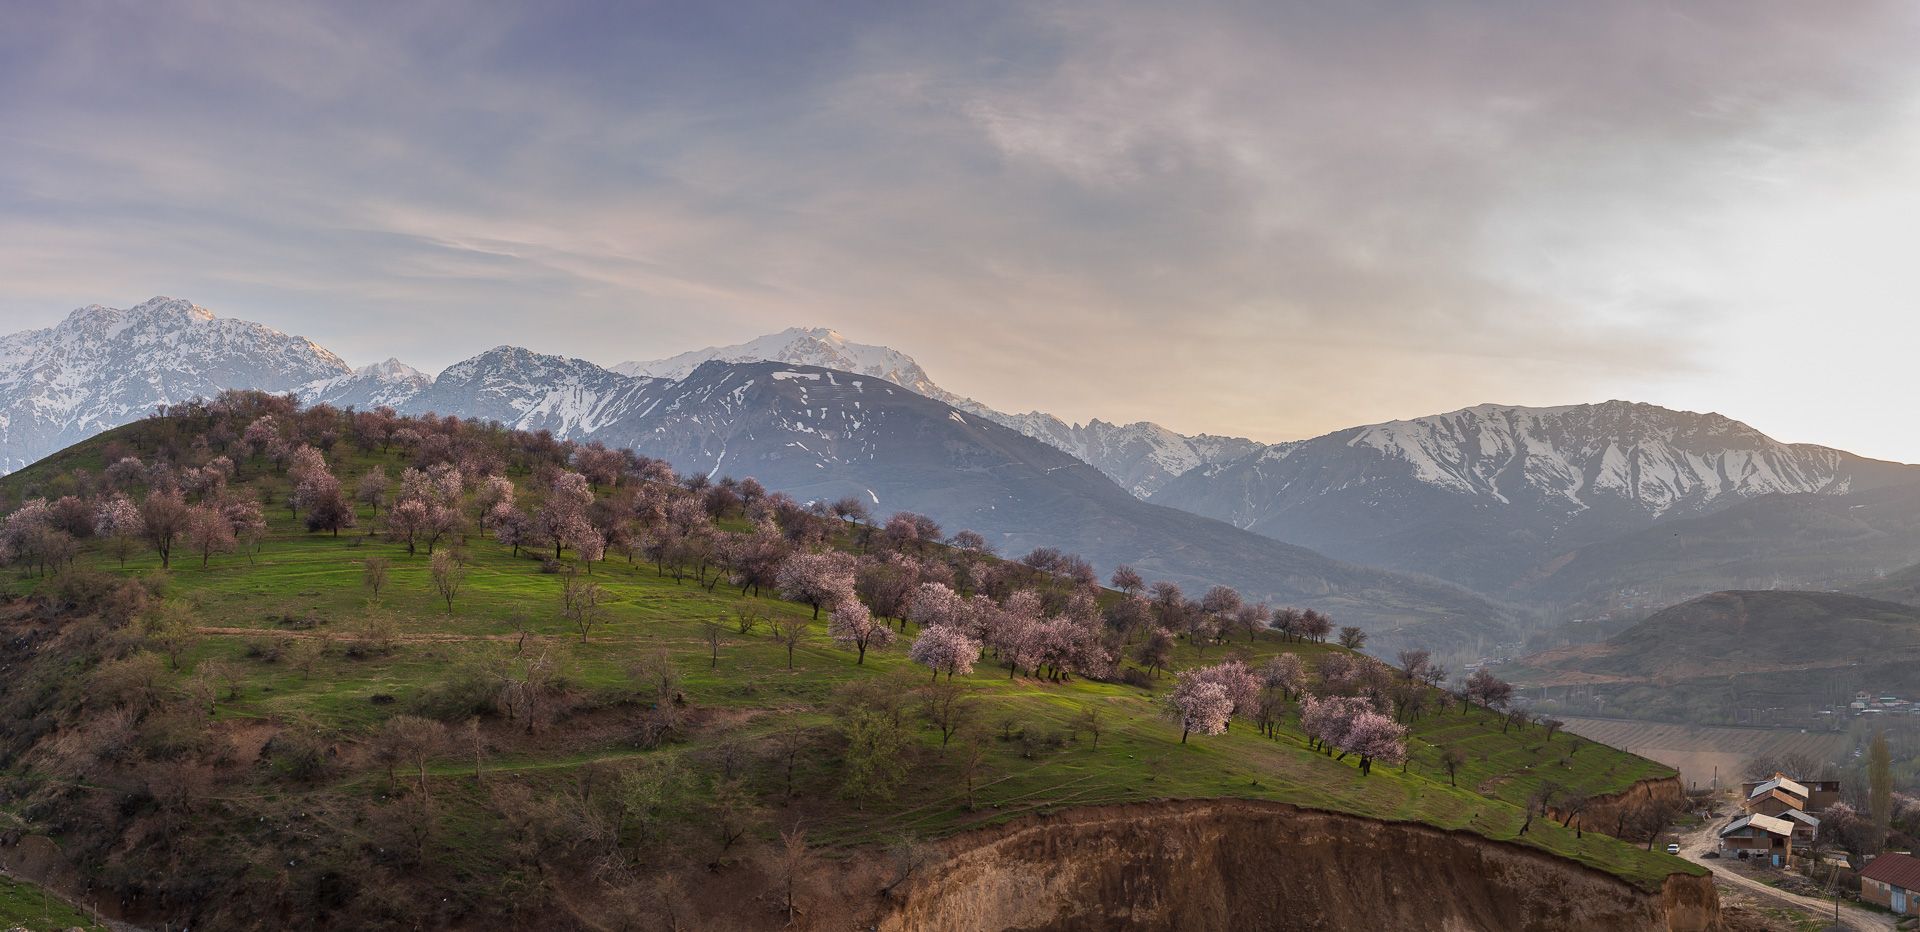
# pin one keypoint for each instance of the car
(1673, 849)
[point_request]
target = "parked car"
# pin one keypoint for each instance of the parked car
(1673, 849)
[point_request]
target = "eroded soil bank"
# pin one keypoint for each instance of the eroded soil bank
(1254, 866)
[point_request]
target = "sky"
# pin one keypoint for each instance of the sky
(1267, 219)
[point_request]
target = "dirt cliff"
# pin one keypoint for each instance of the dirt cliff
(1256, 866)
(1611, 813)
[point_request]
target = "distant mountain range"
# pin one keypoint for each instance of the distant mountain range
(815, 432)
(1497, 497)
(1604, 507)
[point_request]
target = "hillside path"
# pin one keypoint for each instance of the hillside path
(1852, 917)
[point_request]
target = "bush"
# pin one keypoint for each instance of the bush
(1137, 678)
(463, 694)
(267, 650)
(296, 755)
(550, 565)
(1034, 742)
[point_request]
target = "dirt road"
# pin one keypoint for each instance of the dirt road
(1702, 840)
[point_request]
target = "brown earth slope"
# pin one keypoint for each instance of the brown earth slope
(1253, 867)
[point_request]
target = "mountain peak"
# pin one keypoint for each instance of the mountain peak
(391, 370)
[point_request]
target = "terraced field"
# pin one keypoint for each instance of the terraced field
(1700, 752)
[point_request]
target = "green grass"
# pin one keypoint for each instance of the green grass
(242, 602)
(24, 905)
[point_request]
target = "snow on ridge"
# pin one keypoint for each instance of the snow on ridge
(1653, 456)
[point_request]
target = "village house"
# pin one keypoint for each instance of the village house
(1805, 826)
(1893, 881)
(1758, 836)
(1780, 794)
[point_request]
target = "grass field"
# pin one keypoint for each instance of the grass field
(304, 586)
(25, 906)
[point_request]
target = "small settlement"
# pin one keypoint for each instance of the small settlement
(1778, 815)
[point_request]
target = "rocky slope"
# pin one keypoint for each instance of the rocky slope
(1485, 496)
(1242, 865)
(102, 367)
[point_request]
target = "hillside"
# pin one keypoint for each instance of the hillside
(1710, 658)
(1804, 541)
(1486, 495)
(176, 730)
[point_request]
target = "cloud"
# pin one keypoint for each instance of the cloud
(1267, 219)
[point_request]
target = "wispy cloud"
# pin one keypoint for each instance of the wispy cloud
(1267, 219)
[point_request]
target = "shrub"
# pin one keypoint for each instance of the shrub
(461, 695)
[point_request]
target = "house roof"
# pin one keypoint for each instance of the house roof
(1764, 822)
(1779, 783)
(1900, 870)
(1785, 798)
(1797, 815)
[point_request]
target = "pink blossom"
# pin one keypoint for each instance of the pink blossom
(944, 648)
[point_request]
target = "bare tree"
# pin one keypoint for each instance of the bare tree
(790, 631)
(734, 810)
(1539, 802)
(305, 653)
(907, 855)
(373, 575)
(580, 602)
(947, 707)
(477, 743)
(1450, 761)
(714, 635)
(448, 575)
(656, 673)
(973, 759)
(1090, 721)
(788, 865)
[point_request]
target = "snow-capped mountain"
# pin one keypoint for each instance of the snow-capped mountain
(1485, 494)
(525, 390)
(102, 367)
(802, 346)
(1141, 457)
(391, 383)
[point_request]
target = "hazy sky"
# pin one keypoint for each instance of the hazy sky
(1266, 219)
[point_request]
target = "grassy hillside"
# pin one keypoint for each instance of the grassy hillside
(251, 787)
(25, 906)
(1707, 659)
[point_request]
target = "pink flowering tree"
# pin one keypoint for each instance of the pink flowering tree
(935, 603)
(854, 625)
(1286, 673)
(1199, 704)
(942, 648)
(1374, 737)
(562, 519)
(817, 579)
(1240, 685)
